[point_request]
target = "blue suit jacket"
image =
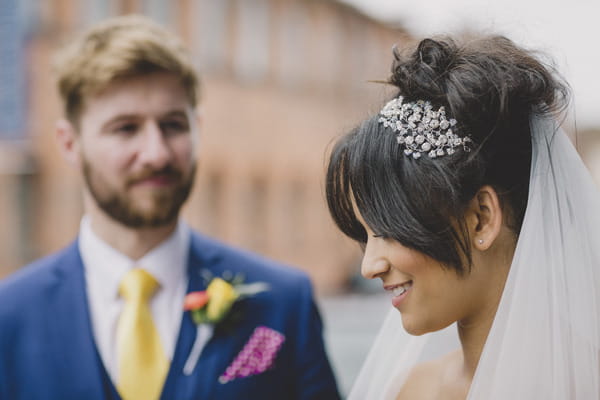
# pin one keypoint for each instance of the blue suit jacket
(47, 349)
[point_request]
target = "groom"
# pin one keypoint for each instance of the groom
(104, 318)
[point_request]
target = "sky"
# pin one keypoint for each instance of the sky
(568, 31)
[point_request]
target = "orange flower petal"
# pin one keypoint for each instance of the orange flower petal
(195, 300)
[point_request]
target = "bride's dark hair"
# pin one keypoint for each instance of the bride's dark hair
(491, 87)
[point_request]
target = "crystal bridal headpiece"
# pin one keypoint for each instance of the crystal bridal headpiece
(421, 129)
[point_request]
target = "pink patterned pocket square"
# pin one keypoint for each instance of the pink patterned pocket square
(257, 356)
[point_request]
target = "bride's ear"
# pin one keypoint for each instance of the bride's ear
(484, 218)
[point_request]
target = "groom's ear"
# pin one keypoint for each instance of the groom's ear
(484, 218)
(68, 141)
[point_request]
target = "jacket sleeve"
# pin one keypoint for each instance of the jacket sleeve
(314, 378)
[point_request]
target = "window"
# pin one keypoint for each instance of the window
(95, 10)
(251, 56)
(14, 26)
(255, 213)
(292, 44)
(296, 211)
(159, 10)
(211, 29)
(213, 208)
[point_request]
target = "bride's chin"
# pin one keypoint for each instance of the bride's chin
(412, 327)
(418, 327)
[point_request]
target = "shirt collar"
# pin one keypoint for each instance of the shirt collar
(106, 266)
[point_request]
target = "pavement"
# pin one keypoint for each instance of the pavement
(351, 323)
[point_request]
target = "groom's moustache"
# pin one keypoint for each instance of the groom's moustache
(169, 172)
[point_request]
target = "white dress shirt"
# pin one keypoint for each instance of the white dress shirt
(104, 268)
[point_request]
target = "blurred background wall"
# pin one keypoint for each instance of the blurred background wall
(281, 79)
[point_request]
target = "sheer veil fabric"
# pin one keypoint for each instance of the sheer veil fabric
(545, 339)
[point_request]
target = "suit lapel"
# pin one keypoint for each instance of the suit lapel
(71, 336)
(179, 386)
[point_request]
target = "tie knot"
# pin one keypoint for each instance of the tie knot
(137, 284)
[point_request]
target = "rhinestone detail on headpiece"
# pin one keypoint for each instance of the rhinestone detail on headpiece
(421, 129)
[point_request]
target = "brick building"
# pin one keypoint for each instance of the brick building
(281, 79)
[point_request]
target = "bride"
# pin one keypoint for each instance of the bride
(477, 215)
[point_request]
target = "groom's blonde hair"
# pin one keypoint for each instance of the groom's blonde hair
(119, 48)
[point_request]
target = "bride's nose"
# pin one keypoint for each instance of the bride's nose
(373, 264)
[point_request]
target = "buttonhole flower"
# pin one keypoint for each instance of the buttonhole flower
(212, 306)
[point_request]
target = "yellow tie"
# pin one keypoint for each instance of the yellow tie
(143, 365)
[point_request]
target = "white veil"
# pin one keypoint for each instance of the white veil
(545, 339)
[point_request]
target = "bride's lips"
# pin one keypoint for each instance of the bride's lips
(399, 292)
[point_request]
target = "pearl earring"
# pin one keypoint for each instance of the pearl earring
(480, 241)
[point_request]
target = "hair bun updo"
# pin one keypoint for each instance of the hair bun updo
(491, 87)
(419, 77)
(484, 82)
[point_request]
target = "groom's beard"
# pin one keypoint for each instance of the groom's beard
(162, 204)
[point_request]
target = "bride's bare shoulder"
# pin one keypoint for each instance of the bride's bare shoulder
(424, 380)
